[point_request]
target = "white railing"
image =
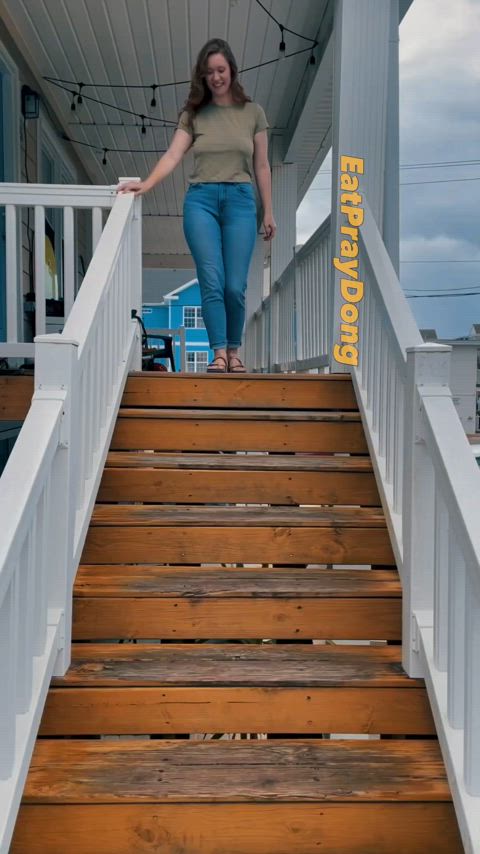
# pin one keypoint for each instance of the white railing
(427, 477)
(430, 487)
(291, 330)
(42, 198)
(49, 485)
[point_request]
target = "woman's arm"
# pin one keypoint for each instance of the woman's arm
(178, 147)
(263, 177)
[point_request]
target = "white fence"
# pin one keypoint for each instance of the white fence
(49, 485)
(430, 487)
(43, 198)
(291, 331)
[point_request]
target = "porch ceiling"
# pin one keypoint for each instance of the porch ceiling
(143, 42)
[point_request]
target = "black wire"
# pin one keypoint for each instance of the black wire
(67, 84)
(446, 290)
(115, 150)
(441, 296)
(106, 104)
(286, 29)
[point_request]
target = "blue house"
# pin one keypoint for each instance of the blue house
(182, 307)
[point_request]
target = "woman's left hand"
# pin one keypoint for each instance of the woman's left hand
(269, 227)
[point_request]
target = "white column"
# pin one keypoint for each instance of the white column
(365, 120)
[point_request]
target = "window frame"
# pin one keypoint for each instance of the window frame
(198, 321)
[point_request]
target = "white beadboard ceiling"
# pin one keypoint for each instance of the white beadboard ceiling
(142, 42)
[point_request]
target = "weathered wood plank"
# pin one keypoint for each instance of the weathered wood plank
(346, 619)
(282, 392)
(218, 582)
(278, 545)
(171, 711)
(248, 487)
(241, 462)
(235, 771)
(214, 665)
(241, 435)
(233, 416)
(150, 515)
(383, 828)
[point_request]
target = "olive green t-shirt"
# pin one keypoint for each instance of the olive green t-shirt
(223, 141)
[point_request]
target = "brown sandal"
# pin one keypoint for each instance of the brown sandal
(236, 366)
(218, 365)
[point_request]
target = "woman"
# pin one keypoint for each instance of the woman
(227, 133)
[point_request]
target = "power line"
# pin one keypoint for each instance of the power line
(442, 296)
(410, 183)
(443, 290)
(438, 181)
(439, 164)
(444, 261)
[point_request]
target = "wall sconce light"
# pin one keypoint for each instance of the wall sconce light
(30, 103)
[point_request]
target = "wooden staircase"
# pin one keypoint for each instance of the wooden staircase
(129, 756)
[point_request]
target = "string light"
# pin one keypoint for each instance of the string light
(113, 150)
(78, 97)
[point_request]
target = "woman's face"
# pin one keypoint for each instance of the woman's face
(218, 77)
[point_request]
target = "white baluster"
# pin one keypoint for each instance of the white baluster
(456, 634)
(471, 756)
(40, 306)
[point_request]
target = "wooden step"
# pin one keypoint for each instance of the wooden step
(15, 397)
(274, 688)
(119, 794)
(244, 430)
(257, 478)
(163, 602)
(218, 582)
(183, 534)
(256, 828)
(275, 391)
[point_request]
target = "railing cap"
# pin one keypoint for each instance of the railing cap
(429, 347)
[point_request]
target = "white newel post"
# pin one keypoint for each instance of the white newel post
(364, 128)
(428, 370)
(56, 363)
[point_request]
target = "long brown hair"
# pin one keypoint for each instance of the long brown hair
(200, 94)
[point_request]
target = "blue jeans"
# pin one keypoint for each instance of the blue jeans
(220, 225)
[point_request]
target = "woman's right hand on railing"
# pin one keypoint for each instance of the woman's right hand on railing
(138, 187)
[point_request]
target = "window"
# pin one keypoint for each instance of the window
(197, 361)
(192, 317)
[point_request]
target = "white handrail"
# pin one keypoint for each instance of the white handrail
(50, 482)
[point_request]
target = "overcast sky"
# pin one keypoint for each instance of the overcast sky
(439, 121)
